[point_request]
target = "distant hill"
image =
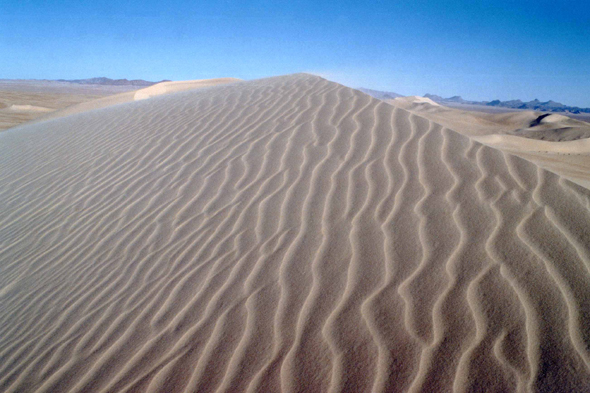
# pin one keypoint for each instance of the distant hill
(535, 105)
(382, 95)
(434, 97)
(550, 106)
(111, 82)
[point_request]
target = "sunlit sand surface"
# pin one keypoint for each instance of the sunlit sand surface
(287, 234)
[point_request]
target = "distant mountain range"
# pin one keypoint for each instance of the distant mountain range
(382, 95)
(111, 82)
(534, 105)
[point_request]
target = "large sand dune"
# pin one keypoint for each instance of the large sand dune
(285, 234)
(158, 89)
(30, 100)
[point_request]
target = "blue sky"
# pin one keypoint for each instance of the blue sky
(478, 49)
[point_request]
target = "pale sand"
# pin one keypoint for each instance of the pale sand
(26, 101)
(520, 133)
(152, 91)
(176, 86)
(19, 106)
(26, 108)
(528, 124)
(21, 100)
(285, 234)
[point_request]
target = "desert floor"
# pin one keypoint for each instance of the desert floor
(26, 100)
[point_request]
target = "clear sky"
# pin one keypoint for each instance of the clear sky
(477, 49)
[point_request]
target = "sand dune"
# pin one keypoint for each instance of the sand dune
(20, 98)
(554, 142)
(176, 86)
(527, 124)
(28, 107)
(26, 101)
(285, 234)
(20, 103)
(152, 91)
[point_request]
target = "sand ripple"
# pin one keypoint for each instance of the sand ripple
(286, 234)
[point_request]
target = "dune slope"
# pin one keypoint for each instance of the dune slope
(141, 94)
(551, 141)
(285, 234)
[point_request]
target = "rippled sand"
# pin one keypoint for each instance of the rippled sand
(285, 234)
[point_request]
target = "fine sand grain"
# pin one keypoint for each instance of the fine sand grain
(285, 234)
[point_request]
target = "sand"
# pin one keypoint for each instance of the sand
(158, 89)
(176, 86)
(26, 108)
(551, 127)
(285, 234)
(22, 101)
(18, 107)
(527, 134)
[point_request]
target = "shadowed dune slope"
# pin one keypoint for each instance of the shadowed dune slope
(284, 234)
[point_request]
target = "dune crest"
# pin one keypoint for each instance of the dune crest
(176, 86)
(285, 234)
(142, 94)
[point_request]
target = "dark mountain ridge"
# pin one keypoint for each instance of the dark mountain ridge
(382, 95)
(111, 82)
(536, 105)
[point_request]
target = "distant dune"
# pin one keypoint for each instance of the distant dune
(530, 135)
(65, 98)
(286, 234)
(174, 87)
(26, 108)
(528, 124)
(152, 91)
(24, 100)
